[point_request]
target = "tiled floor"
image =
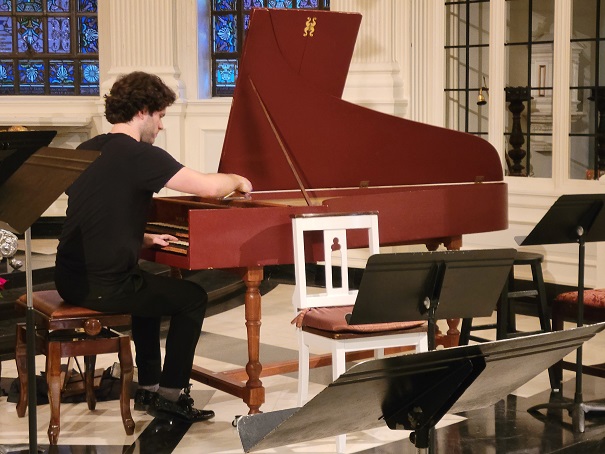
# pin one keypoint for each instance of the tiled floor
(504, 428)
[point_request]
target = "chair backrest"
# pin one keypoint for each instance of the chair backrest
(336, 253)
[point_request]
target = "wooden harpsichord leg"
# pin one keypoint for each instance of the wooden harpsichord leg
(252, 392)
(254, 395)
(452, 337)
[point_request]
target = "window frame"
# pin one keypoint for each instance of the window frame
(241, 13)
(79, 61)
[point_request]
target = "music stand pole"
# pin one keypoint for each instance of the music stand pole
(432, 322)
(31, 349)
(577, 413)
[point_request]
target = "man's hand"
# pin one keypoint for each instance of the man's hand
(244, 186)
(159, 239)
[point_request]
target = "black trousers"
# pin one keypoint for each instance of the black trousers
(148, 298)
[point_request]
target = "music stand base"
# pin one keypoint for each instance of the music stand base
(577, 411)
(424, 440)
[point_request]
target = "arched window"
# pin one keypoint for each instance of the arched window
(229, 23)
(49, 47)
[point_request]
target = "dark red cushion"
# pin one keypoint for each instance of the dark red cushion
(593, 298)
(333, 319)
(50, 303)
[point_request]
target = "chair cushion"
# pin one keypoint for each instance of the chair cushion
(593, 298)
(333, 319)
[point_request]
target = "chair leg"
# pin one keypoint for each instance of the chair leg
(53, 379)
(423, 344)
(90, 362)
(341, 443)
(21, 362)
(126, 372)
(303, 370)
(339, 366)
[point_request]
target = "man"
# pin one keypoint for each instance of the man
(97, 256)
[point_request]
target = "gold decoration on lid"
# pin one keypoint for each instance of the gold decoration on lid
(310, 26)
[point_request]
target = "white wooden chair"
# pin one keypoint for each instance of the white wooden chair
(320, 316)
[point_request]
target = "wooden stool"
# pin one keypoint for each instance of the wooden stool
(505, 325)
(64, 331)
(565, 307)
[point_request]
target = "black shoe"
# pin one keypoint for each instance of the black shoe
(143, 399)
(182, 408)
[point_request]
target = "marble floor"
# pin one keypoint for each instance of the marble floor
(503, 428)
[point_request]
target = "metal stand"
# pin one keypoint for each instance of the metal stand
(413, 392)
(578, 408)
(573, 218)
(430, 286)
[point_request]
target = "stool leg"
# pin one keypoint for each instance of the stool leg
(543, 311)
(555, 376)
(465, 331)
(126, 373)
(89, 380)
(21, 362)
(503, 313)
(53, 378)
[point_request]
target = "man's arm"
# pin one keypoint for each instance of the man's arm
(211, 185)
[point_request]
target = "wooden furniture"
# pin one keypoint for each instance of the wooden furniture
(64, 331)
(320, 317)
(305, 150)
(565, 308)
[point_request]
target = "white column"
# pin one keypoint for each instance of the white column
(427, 70)
(375, 77)
(142, 36)
(497, 109)
(560, 95)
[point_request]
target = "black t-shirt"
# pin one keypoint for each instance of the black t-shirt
(108, 207)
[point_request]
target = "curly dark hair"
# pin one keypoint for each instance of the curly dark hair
(135, 92)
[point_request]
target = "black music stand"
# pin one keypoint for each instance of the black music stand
(576, 218)
(26, 193)
(17, 146)
(413, 392)
(430, 286)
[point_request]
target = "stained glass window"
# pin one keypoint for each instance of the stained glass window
(230, 20)
(49, 47)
